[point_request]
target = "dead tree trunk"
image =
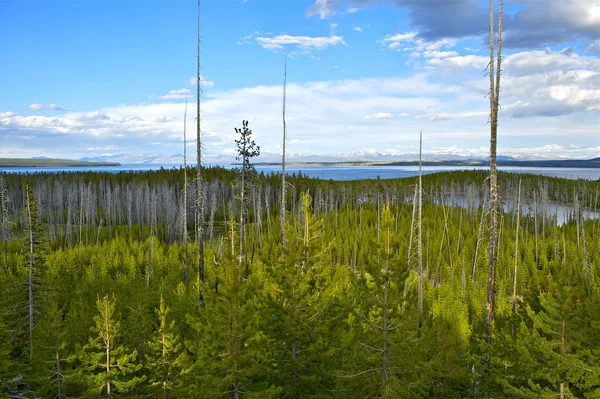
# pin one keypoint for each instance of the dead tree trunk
(32, 224)
(4, 218)
(185, 182)
(283, 237)
(199, 204)
(514, 303)
(420, 226)
(494, 96)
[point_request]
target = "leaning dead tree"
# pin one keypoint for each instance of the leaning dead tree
(199, 204)
(494, 97)
(283, 237)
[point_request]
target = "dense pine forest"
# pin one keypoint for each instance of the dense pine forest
(357, 294)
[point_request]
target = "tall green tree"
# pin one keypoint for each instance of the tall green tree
(246, 149)
(166, 361)
(107, 367)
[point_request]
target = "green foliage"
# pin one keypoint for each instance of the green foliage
(107, 367)
(333, 313)
(166, 361)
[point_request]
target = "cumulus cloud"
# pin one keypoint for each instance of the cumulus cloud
(358, 29)
(348, 114)
(433, 19)
(51, 107)
(176, 94)
(527, 27)
(461, 62)
(379, 115)
(571, 20)
(302, 42)
(203, 81)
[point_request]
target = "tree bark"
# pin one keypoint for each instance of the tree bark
(494, 96)
(283, 237)
(199, 204)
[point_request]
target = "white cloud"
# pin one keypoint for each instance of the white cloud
(177, 94)
(203, 81)
(6, 115)
(302, 42)
(358, 29)
(248, 38)
(345, 115)
(379, 115)
(399, 40)
(528, 27)
(542, 61)
(461, 62)
(444, 116)
(52, 107)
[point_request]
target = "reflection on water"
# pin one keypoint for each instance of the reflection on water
(553, 211)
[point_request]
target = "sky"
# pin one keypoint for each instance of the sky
(112, 78)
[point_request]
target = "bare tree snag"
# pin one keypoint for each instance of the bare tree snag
(494, 97)
(514, 301)
(199, 204)
(283, 237)
(4, 218)
(420, 226)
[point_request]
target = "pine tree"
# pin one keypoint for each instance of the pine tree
(106, 366)
(165, 359)
(295, 309)
(51, 353)
(551, 348)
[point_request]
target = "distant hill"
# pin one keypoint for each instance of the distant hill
(48, 162)
(505, 161)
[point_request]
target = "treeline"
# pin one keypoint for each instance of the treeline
(96, 311)
(83, 208)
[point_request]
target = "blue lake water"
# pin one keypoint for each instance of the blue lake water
(334, 172)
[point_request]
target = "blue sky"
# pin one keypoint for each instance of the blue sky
(95, 78)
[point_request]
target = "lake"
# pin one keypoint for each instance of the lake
(333, 172)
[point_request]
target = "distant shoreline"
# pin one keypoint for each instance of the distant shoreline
(48, 163)
(574, 163)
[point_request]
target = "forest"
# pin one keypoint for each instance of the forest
(362, 291)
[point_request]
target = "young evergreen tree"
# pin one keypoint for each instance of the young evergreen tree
(166, 359)
(51, 353)
(295, 309)
(246, 149)
(107, 367)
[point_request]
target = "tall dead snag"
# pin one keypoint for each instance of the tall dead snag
(33, 241)
(283, 237)
(246, 149)
(4, 218)
(419, 226)
(185, 182)
(514, 301)
(199, 204)
(494, 97)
